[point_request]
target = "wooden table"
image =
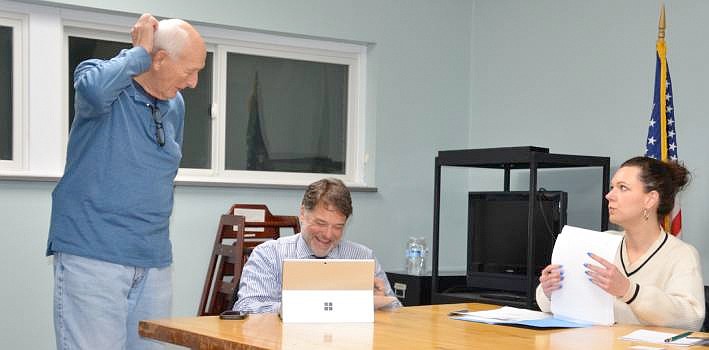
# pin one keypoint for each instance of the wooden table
(417, 327)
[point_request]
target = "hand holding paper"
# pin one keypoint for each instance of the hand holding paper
(607, 276)
(551, 278)
(580, 299)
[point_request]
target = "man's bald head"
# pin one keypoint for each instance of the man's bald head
(173, 35)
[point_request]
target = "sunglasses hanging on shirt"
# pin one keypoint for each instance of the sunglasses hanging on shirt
(159, 131)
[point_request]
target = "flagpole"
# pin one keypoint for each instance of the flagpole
(662, 55)
(661, 26)
(661, 142)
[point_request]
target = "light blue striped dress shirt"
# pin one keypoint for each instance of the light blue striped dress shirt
(260, 286)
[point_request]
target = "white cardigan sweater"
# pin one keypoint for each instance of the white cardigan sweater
(666, 286)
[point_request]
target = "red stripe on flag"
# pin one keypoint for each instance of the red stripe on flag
(676, 226)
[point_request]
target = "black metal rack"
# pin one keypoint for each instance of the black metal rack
(508, 159)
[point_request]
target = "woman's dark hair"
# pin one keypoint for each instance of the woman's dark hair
(667, 178)
(328, 191)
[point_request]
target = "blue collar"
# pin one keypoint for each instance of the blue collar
(139, 94)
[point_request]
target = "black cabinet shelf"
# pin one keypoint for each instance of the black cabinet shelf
(507, 159)
(413, 290)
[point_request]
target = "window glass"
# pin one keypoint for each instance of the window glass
(285, 115)
(197, 144)
(81, 49)
(6, 116)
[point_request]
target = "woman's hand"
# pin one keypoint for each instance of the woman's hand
(607, 276)
(551, 278)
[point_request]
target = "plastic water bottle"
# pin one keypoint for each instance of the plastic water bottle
(416, 255)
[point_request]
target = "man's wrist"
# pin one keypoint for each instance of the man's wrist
(142, 57)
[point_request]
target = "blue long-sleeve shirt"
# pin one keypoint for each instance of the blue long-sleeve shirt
(115, 198)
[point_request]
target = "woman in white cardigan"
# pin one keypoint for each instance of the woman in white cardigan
(656, 278)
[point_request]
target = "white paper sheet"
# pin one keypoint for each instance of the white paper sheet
(514, 316)
(579, 299)
(506, 313)
(659, 337)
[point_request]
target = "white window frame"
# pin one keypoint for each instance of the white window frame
(354, 56)
(79, 29)
(222, 41)
(109, 33)
(20, 136)
(42, 139)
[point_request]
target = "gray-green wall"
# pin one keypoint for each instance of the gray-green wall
(574, 76)
(418, 102)
(577, 77)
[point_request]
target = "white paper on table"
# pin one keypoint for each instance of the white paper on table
(508, 313)
(579, 299)
(659, 337)
(514, 316)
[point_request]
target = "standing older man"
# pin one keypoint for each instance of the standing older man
(111, 209)
(324, 211)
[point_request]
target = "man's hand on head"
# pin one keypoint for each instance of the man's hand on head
(143, 32)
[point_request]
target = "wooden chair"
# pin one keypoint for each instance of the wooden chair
(239, 231)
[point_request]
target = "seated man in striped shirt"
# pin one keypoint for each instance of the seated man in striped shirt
(324, 211)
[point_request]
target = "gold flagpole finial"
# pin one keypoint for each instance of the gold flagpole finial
(661, 25)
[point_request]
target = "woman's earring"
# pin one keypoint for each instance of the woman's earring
(645, 214)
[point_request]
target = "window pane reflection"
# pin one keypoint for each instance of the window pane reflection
(6, 137)
(285, 115)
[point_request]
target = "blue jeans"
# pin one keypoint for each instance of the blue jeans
(97, 304)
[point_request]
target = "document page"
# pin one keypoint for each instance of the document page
(514, 316)
(506, 313)
(579, 299)
(661, 338)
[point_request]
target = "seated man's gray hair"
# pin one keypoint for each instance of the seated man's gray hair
(330, 192)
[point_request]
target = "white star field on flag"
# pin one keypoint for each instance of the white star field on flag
(654, 137)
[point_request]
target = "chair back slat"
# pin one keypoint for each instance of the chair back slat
(242, 228)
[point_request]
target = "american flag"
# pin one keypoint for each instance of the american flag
(661, 140)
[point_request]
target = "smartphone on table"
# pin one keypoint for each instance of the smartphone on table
(233, 315)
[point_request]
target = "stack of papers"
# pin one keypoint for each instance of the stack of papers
(659, 337)
(579, 299)
(515, 316)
